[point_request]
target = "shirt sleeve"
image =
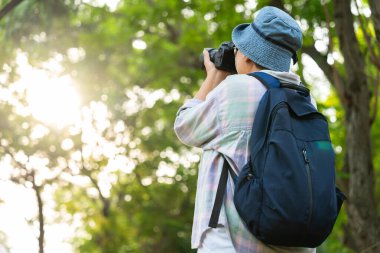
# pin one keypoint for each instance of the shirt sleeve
(197, 123)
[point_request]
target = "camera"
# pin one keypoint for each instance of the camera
(223, 57)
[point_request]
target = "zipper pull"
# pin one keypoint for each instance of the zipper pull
(305, 155)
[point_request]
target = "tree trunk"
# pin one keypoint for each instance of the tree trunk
(41, 237)
(363, 220)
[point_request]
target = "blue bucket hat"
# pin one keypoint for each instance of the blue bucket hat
(271, 40)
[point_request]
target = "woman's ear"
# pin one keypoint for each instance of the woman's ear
(247, 60)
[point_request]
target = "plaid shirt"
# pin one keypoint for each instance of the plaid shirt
(222, 125)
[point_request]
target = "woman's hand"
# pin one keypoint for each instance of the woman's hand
(214, 77)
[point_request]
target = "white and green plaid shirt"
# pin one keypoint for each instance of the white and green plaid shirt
(222, 125)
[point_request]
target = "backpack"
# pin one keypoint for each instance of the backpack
(286, 193)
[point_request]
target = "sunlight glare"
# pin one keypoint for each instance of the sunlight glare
(50, 96)
(53, 100)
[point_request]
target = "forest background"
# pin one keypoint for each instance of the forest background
(89, 90)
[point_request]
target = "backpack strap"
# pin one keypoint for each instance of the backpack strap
(267, 80)
(272, 82)
(220, 193)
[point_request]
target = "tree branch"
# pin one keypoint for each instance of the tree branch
(375, 15)
(353, 58)
(105, 201)
(331, 73)
(9, 7)
(328, 21)
(374, 59)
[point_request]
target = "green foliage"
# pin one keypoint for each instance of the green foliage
(140, 61)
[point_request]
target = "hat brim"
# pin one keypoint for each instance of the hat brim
(260, 50)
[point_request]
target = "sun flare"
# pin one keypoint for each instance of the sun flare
(50, 97)
(53, 100)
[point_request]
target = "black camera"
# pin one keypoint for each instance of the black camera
(223, 57)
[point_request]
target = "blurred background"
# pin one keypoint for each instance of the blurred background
(89, 90)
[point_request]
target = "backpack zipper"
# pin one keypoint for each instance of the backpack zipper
(307, 162)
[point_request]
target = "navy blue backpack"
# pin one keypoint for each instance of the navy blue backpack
(286, 193)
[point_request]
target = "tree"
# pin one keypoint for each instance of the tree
(364, 223)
